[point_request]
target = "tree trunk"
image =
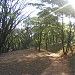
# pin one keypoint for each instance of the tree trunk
(53, 39)
(62, 32)
(39, 43)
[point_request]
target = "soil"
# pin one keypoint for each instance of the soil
(31, 62)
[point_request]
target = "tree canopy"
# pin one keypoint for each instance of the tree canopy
(43, 31)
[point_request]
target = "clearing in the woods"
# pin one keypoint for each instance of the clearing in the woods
(31, 62)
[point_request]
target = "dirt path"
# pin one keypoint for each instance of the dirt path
(30, 62)
(59, 67)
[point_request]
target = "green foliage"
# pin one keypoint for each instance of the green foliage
(42, 31)
(10, 16)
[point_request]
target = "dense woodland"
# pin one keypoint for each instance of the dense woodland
(43, 31)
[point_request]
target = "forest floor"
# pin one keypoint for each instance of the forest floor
(31, 62)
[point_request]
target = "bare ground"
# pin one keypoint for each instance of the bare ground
(30, 62)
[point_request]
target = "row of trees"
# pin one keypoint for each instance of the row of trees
(39, 32)
(61, 8)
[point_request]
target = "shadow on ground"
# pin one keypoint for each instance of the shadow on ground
(71, 64)
(34, 63)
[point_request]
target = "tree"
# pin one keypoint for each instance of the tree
(61, 9)
(10, 16)
(37, 30)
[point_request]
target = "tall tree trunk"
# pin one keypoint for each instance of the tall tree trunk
(69, 38)
(62, 32)
(46, 43)
(56, 39)
(40, 40)
(53, 39)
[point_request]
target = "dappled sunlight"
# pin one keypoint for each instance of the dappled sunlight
(31, 56)
(25, 55)
(42, 54)
(19, 56)
(58, 67)
(26, 74)
(37, 37)
(54, 55)
(32, 62)
(63, 73)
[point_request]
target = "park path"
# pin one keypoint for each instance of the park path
(35, 63)
(61, 66)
